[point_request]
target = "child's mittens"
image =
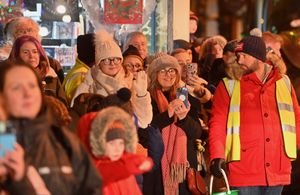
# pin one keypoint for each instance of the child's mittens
(145, 166)
(134, 162)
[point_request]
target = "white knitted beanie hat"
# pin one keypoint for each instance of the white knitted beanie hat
(105, 46)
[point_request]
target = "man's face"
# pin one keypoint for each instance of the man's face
(248, 63)
(24, 29)
(183, 59)
(140, 42)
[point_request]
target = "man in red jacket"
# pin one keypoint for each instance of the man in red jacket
(254, 126)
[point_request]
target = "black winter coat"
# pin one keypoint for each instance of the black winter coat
(153, 183)
(52, 148)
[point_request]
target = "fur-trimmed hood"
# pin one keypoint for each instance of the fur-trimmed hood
(101, 124)
(233, 69)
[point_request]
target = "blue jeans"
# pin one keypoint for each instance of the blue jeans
(259, 190)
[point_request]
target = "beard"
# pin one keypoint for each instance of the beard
(251, 68)
(247, 71)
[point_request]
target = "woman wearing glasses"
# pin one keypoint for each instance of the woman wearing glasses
(178, 124)
(133, 61)
(108, 76)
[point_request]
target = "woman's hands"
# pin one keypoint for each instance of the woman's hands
(178, 108)
(140, 84)
(13, 164)
(196, 82)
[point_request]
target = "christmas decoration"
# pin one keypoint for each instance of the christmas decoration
(123, 11)
(10, 9)
(95, 13)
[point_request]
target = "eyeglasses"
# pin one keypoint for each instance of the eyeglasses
(108, 61)
(171, 71)
(133, 66)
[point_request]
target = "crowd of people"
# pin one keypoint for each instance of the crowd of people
(123, 121)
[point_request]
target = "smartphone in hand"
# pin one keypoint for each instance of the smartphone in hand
(7, 138)
(182, 94)
(191, 70)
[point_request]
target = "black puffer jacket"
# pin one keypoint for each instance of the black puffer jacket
(58, 156)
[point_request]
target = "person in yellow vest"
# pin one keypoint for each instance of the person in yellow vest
(84, 61)
(254, 127)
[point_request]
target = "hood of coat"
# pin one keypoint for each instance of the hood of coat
(100, 125)
(233, 69)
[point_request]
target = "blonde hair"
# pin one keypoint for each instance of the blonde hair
(20, 22)
(269, 37)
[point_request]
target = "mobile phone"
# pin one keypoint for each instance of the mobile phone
(269, 50)
(191, 70)
(7, 138)
(182, 94)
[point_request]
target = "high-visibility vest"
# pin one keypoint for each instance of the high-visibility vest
(286, 114)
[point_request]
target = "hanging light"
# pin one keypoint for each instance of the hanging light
(295, 23)
(61, 9)
(66, 18)
(44, 31)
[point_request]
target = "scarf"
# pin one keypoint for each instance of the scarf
(97, 82)
(174, 160)
(106, 85)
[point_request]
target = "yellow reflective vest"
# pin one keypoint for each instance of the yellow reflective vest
(286, 114)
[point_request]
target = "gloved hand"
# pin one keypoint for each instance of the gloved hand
(216, 165)
(140, 84)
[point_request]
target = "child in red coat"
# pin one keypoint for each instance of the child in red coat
(113, 141)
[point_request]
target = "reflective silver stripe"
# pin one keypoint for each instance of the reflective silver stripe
(283, 106)
(234, 108)
(289, 128)
(233, 130)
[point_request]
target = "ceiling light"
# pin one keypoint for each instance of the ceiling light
(66, 18)
(61, 9)
(44, 31)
